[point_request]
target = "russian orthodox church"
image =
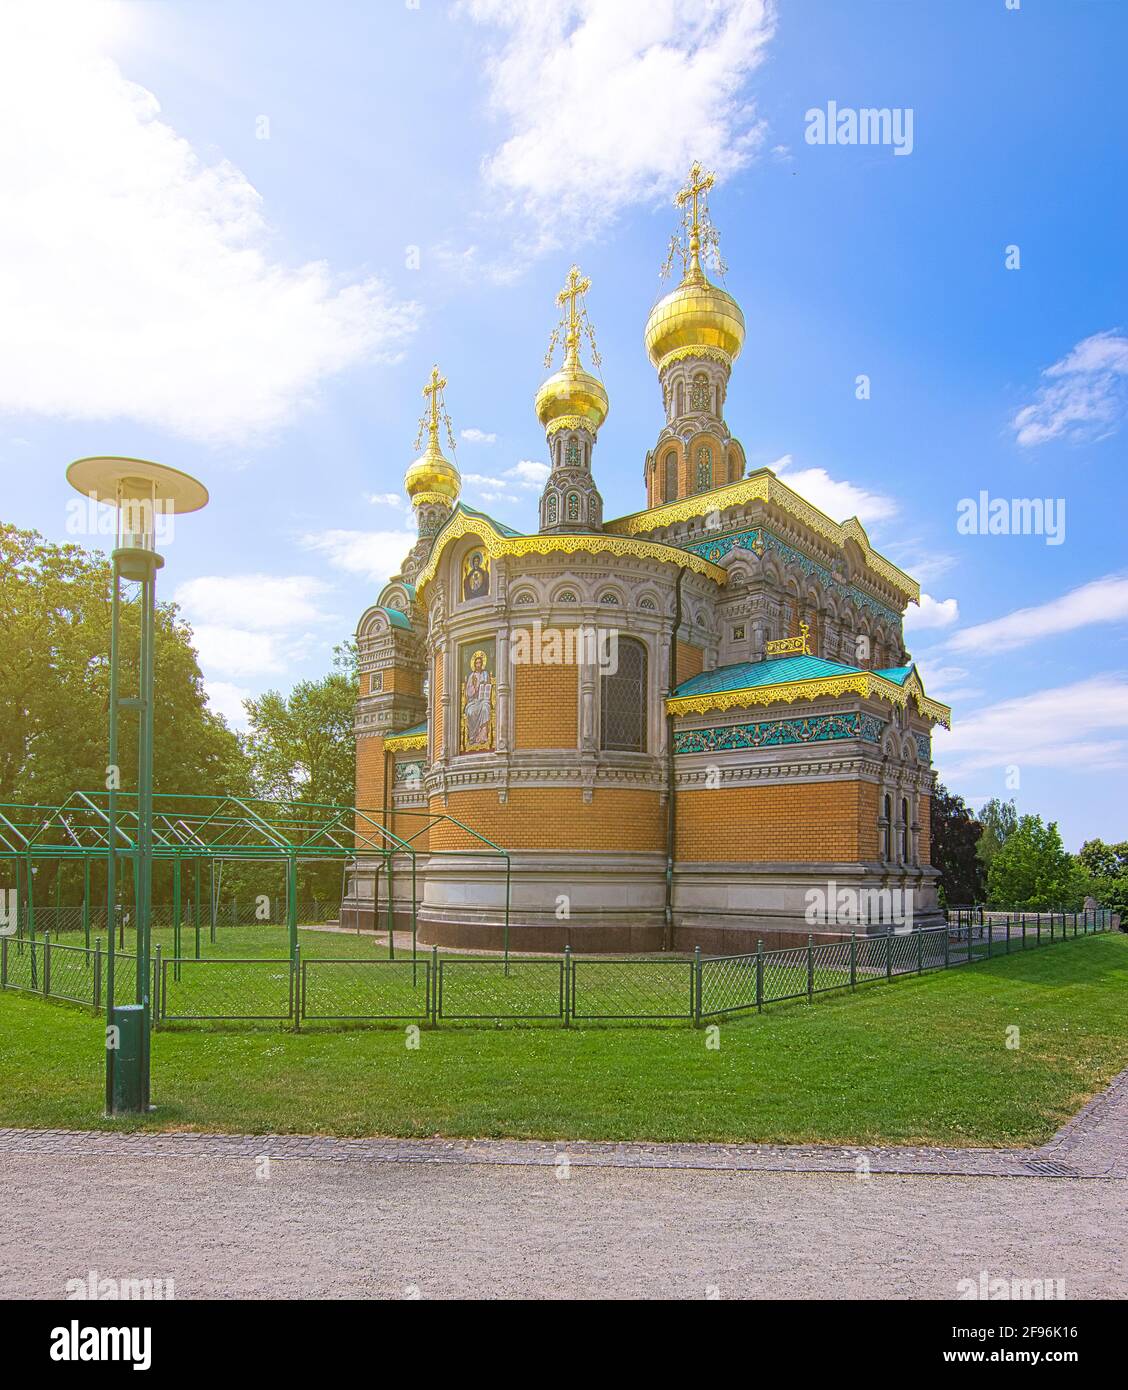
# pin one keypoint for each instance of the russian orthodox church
(670, 729)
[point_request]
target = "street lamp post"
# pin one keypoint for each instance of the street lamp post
(142, 492)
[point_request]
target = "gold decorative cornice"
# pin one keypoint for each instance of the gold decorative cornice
(764, 486)
(400, 743)
(864, 683)
(496, 545)
(422, 499)
(708, 354)
(570, 422)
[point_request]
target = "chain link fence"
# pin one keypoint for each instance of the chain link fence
(432, 990)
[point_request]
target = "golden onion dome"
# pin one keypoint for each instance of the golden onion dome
(697, 314)
(572, 391)
(432, 473)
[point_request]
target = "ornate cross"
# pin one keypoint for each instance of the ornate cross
(699, 184)
(573, 320)
(432, 390)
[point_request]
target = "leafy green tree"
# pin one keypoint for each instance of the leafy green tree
(301, 745)
(1106, 867)
(955, 836)
(54, 687)
(1032, 870)
(999, 820)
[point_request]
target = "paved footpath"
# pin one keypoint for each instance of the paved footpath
(306, 1217)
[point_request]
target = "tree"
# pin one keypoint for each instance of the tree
(54, 685)
(954, 835)
(301, 746)
(1106, 868)
(999, 820)
(1032, 871)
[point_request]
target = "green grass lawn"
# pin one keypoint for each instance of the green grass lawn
(923, 1059)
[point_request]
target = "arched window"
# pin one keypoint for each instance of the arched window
(573, 506)
(551, 509)
(699, 392)
(671, 476)
(572, 454)
(887, 830)
(622, 713)
(905, 833)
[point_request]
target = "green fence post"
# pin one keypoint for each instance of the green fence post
(810, 967)
(157, 985)
(435, 986)
(853, 960)
(920, 952)
(46, 963)
(759, 975)
(296, 1000)
(3, 961)
(98, 973)
(566, 1002)
(696, 986)
(947, 945)
(889, 954)
(111, 1051)
(1038, 931)
(1008, 933)
(86, 901)
(990, 937)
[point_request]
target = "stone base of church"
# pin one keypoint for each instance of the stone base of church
(615, 903)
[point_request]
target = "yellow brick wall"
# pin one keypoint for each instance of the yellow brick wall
(371, 791)
(690, 661)
(545, 706)
(869, 808)
(554, 818)
(806, 822)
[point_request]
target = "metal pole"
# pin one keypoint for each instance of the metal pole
(144, 904)
(86, 900)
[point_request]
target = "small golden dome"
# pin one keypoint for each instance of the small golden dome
(572, 391)
(695, 315)
(432, 473)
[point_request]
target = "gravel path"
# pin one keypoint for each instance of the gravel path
(316, 1230)
(504, 1218)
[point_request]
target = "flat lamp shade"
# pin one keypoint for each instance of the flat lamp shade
(110, 479)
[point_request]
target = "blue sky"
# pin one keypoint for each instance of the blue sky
(236, 236)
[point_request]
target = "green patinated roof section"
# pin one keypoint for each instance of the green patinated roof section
(897, 674)
(395, 617)
(498, 526)
(412, 732)
(744, 675)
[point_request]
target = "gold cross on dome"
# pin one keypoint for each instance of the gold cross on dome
(573, 321)
(575, 285)
(432, 390)
(698, 185)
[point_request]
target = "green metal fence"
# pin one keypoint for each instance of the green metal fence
(559, 990)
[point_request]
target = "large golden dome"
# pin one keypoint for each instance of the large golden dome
(572, 392)
(432, 473)
(695, 315)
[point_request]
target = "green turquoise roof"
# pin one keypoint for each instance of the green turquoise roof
(897, 674)
(743, 675)
(498, 526)
(395, 617)
(412, 732)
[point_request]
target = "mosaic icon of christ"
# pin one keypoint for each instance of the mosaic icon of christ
(477, 706)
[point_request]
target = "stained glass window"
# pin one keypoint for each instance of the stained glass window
(704, 468)
(551, 509)
(622, 714)
(671, 476)
(699, 394)
(572, 454)
(573, 506)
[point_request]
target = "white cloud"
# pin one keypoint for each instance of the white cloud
(1101, 601)
(252, 625)
(1067, 727)
(608, 104)
(476, 436)
(265, 602)
(933, 612)
(227, 699)
(946, 683)
(529, 473)
(374, 555)
(839, 500)
(137, 280)
(385, 499)
(1085, 396)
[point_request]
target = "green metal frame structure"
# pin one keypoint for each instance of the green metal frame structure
(190, 831)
